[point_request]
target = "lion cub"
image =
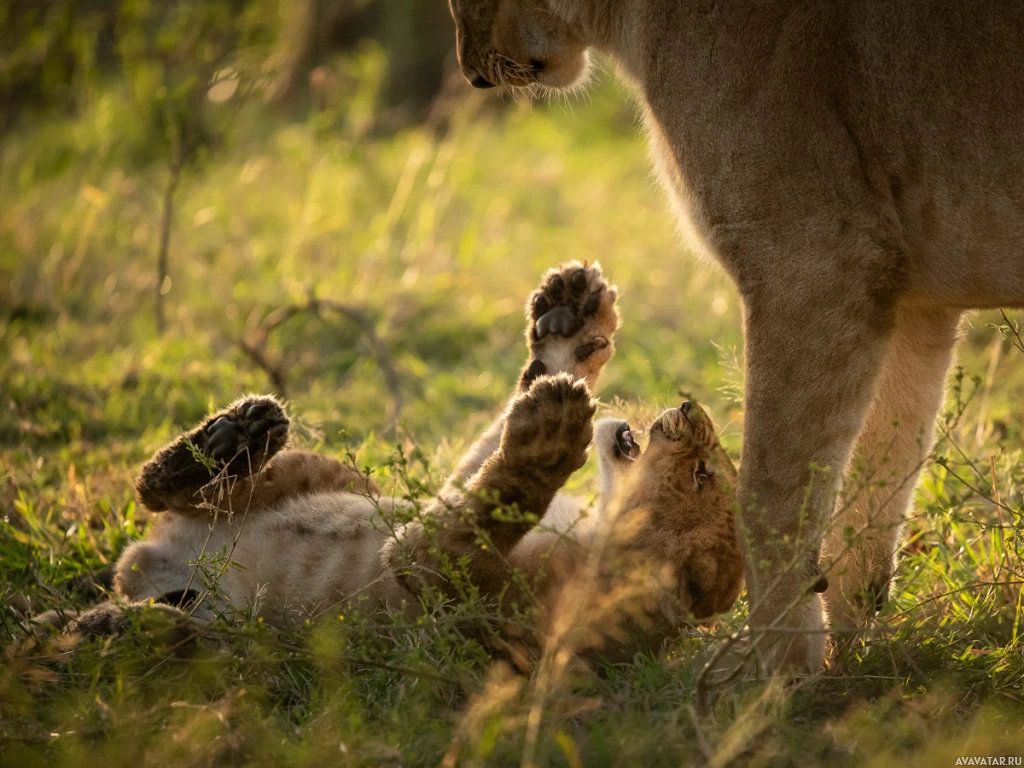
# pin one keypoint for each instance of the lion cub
(291, 535)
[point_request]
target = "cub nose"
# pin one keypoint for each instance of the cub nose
(476, 79)
(686, 407)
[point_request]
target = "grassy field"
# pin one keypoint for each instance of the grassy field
(433, 243)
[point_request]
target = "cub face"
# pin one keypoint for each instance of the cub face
(683, 451)
(675, 503)
(517, 43)
(685, 437)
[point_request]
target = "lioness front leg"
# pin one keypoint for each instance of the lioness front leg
(812, 369)
(891, 451)
(547, 431)
(570, 328)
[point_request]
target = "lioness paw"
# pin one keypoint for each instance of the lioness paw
(548, 427)
(571, 322)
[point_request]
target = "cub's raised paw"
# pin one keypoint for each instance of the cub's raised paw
(571, 322)
(245, 434)
(242, 438)
(549, 427)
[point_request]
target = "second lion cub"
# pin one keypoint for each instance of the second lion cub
(291, 535)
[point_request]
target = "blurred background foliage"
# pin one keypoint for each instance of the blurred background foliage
(313, 202)
(53, 54)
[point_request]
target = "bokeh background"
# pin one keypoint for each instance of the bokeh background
(203, 199)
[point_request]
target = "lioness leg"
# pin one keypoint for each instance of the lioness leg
(812, 368)
(570, 328)
(545, 438)
(889, 456)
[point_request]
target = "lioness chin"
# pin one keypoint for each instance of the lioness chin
(857, 168)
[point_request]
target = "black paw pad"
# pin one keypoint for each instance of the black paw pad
(222, 439)
(541, 306)
(578, 283)
(561, 321)
(625, 446)
(593, 302)
(252, 427)
(556, 287)
(536, 369)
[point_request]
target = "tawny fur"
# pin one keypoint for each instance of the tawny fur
(857, 168)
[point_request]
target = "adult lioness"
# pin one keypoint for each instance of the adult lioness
(858, 168)
(293, 535)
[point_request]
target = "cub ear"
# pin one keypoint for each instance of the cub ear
(703, 472)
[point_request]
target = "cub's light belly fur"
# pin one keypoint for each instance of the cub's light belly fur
(309, 554)
(292, 535)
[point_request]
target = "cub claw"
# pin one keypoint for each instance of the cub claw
(583, 351)
(579, 282)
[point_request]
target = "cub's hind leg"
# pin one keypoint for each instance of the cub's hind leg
(233, 461)
(236, 442)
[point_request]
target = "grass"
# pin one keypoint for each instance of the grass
(434, 244)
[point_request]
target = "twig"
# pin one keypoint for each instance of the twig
(1013, 331)
(255, 346)
(273, 370)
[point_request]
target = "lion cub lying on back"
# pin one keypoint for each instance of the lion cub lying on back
(306, 535)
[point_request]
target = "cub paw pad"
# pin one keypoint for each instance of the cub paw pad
(561, 309)
(256, 425)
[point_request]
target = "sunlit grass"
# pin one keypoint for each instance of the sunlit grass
(437, 241)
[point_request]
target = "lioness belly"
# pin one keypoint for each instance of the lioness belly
(830, 148)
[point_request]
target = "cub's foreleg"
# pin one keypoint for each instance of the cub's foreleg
(570, 328)
(546, 433)
(617, 453)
